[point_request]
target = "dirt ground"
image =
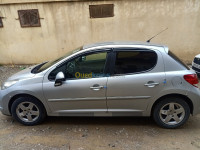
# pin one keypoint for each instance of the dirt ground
(76, 133)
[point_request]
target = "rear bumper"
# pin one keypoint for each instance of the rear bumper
(194, 96)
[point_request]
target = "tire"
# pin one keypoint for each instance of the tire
(171, 112)
(28, 111)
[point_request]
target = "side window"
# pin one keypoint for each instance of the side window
(85, 66)
(134, 61)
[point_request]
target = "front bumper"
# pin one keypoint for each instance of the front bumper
(4, 103)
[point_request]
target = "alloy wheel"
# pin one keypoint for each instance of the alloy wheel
(27, 111)
(172, 113)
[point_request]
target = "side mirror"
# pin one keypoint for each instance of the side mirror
(60, 77)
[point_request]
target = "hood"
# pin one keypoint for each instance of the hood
(26, 73)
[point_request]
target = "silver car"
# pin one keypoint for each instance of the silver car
(105, 79)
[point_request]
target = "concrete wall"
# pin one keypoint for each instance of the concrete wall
(67, 25)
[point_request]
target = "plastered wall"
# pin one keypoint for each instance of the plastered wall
(66, 25)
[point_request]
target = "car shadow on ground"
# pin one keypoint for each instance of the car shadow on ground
(136, 122)
(144, 122)
(117, 121)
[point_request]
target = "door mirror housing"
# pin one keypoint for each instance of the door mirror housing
(60, 77)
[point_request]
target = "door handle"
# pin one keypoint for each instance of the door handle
(151, 84)
(96, 87)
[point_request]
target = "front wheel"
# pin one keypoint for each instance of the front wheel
(171, 112)
(28, 111)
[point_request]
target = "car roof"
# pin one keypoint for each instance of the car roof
(95, 46)
(109, 44)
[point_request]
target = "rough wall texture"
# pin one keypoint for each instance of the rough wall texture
(67, 25)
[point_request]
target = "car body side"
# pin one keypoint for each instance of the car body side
(173, 83)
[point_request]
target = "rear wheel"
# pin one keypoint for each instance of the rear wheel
(171, 112)
(28, 111)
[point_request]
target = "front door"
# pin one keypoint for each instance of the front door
(84, 91)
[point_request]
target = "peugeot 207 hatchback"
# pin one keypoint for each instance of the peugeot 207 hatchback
(105, 79)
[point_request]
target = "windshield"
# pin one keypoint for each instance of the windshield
(46, 65)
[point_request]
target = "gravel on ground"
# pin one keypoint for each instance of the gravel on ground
(87, 133)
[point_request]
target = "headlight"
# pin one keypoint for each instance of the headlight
(8, 84)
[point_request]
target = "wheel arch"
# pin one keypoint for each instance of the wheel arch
(185, 98)
(22, 95)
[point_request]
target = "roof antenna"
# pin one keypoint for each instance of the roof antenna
(156, 35)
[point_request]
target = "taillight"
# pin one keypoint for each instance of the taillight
(192, 79)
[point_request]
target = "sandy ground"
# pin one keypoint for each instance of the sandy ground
(75, 133)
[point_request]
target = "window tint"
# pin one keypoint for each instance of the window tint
(85, 66)
(134, 61)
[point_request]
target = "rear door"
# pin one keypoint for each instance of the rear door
(137, 76)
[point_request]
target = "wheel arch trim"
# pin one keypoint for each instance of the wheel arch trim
(184, 97)
(13, 98)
